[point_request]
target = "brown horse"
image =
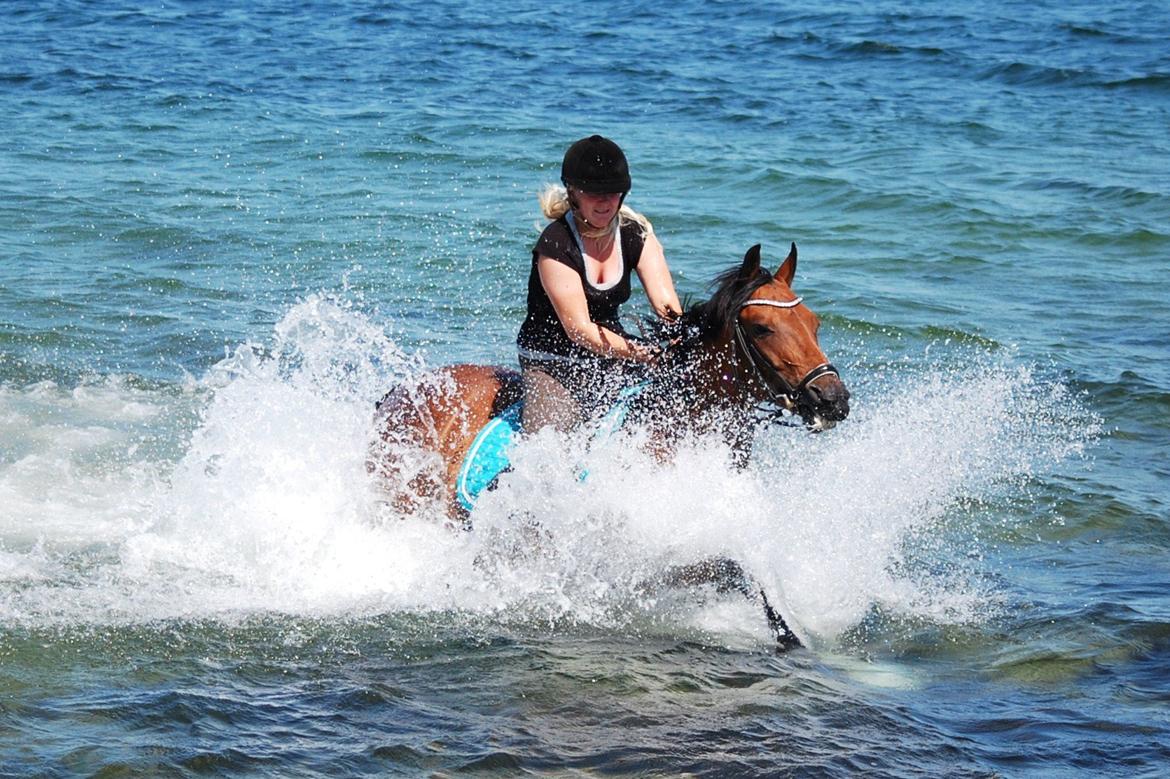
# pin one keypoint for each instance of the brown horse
(754, 342)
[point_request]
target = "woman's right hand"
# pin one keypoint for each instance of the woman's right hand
(644, 352)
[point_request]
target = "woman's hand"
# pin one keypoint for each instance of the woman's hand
(643, 352)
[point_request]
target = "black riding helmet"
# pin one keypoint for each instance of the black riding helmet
(596, 165)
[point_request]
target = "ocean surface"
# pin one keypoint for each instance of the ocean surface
(227, 229)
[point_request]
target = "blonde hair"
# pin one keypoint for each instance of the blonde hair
(554, 203)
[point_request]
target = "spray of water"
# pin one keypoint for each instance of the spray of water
(262, 501)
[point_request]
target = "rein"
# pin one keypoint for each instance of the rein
(765, 373)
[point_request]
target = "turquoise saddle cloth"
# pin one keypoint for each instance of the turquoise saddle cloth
(487, 457)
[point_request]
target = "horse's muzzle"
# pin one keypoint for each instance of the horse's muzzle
(824, 402)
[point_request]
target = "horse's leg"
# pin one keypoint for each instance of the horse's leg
(402, 454)
(741, 437)
(727, 575)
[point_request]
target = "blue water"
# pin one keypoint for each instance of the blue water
(225, 232)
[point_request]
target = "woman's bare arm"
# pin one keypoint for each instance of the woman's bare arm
(567, 295)
(655, 277)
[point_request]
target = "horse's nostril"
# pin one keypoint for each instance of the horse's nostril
(830, 399)
(825, 395)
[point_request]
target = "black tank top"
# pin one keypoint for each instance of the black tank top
(542, 330)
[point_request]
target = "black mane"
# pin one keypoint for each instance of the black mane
(692, 335)
(714, 317)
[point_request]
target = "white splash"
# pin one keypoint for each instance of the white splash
(247, 492)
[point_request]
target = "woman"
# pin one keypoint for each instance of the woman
(574, 353)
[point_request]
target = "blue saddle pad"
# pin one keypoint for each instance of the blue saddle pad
(487, 457)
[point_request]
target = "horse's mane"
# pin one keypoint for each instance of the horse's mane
(705, 322)
(714, 316)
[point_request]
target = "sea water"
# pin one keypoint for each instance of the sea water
(226, 232)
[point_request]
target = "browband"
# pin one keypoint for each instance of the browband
(775, 303)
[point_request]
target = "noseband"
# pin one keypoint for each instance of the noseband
(764, 371)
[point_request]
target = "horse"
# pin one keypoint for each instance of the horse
(752, 344)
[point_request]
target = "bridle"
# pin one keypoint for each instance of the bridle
(779, 389)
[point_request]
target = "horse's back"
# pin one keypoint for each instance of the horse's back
(441, 414)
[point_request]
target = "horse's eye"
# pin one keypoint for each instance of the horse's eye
(760, 331)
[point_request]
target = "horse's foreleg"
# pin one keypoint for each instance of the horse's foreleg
(727, 575)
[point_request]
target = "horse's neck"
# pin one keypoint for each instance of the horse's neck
(704, 385)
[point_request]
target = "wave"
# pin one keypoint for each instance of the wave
(867, 48)
(1131, 394)
(1153, 82)
(1029, 74)
(17, 79)
(1115, 194)
(1099, 32)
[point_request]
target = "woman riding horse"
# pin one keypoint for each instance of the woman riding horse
(754, 342)
(573, 351)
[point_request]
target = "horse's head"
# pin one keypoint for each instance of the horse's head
(776, 335)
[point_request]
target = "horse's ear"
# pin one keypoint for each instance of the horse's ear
(751, 264)
(788, 268)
